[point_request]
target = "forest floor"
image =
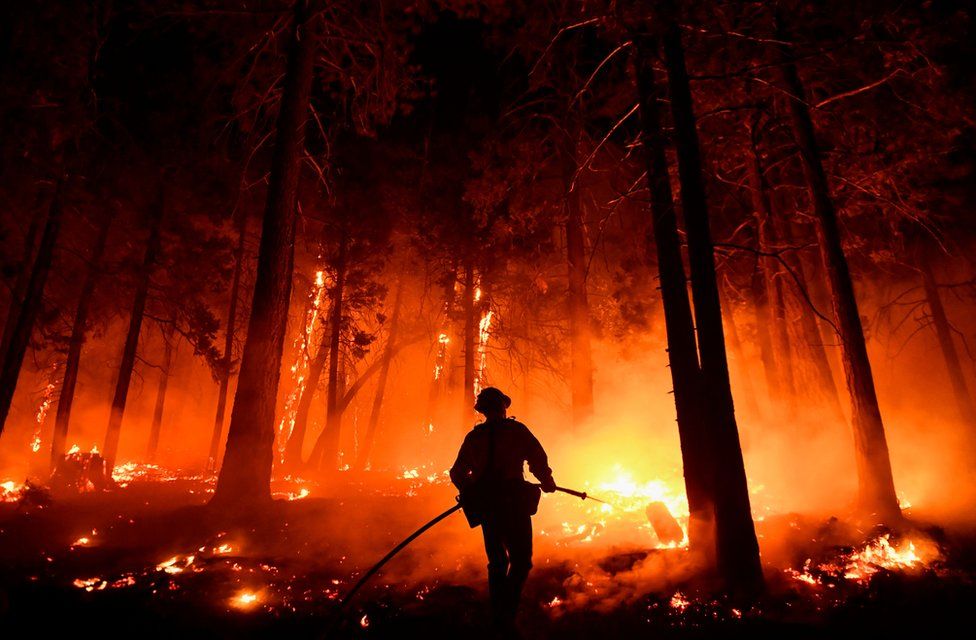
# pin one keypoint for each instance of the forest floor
(151, 559)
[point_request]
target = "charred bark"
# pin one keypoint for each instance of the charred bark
(157, 421)
(325, 454)
(679, 327)
(876, 484)
(964, 401)
(736, 545)
(23, 279)
(228, 359)
(79, 329)
(13, 358)
(128, 361)
(245, 475)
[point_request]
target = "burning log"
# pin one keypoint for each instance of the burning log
(666, 528)
(80, 472)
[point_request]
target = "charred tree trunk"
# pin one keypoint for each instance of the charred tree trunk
(964, 401)
(228, 359)
(127, 364)
(79, 329)
(157, 421)
(20, 286)
(679, 327)
(362, 459)
(326, 451)
(736, 546)
(581, 353)
(296, 441)
(470, 331)
(245, 475)
(13, 358)
(876, 484)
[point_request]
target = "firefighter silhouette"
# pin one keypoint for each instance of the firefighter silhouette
(495, 495)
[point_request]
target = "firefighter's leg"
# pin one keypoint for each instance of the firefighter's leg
(518, 540)
(497, 568)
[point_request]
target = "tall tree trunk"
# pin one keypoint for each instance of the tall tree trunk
(679, 327)
(470, 344)
(245, 475)
(13, 358)
(325, 454)
(127, 364)
(771, 283)
(19, 290)
(157, 421)
(79, 328)
(362, 459)
(581, 354)
(810, 327)
(736, 546)
(228, 359)
(748, 389)
(296, 441)
(764, 323)
(964, 401)
(876, 484)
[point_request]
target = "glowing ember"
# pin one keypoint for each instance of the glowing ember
(245, 599)
(90, 584)
(364, 621)
(81, 542)
(176, 564)
(125, 473)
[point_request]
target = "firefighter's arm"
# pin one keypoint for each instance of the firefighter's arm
(539, 462)
(463, 470)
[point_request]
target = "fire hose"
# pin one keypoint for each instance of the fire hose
(582, 495)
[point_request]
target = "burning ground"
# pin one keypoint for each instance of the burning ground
(149, 556)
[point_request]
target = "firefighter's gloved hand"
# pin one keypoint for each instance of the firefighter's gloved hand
(548, 485)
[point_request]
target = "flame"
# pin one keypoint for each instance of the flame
(484, 332)
(679, 602)
(443, 340)
(881, 554)
(364, 621)
(10, 491)
(47, 399)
